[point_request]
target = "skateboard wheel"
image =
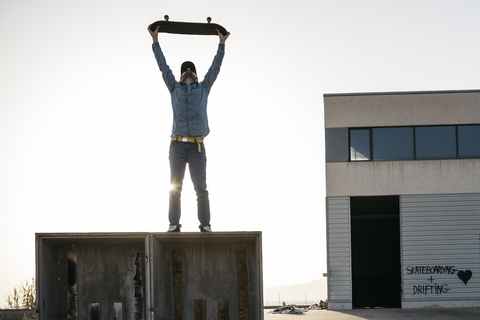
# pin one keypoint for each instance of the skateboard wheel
(166, 17)
(209, 19)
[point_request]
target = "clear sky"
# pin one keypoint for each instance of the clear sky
(85, 117)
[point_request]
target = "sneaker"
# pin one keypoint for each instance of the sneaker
(174, 228)
(205, 229)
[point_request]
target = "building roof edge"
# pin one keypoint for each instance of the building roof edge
(397, 93)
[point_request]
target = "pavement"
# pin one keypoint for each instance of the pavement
(381, 314)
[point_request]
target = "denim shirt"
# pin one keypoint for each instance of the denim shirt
(189, 101)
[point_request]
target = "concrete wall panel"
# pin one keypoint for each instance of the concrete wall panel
(403, 177)
(8, 314)
(210, 272)
(149, 276)
(79, 275)
(402, 109)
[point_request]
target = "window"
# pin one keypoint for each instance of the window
(469, 142)
(393, 143)
(360, 144)
(415, 143)
(435, 142)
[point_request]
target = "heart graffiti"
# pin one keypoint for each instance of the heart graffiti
(464, 275)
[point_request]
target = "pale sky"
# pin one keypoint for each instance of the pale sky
(85, 117)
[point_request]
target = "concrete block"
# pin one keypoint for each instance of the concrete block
(469, 304)
(149, 276)
(441, 304)
(340, 306)
(88, 276)
(9, 314)
(14, 314)
(216, 275)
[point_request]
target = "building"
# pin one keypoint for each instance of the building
(403, 199)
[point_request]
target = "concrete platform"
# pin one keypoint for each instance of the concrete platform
(382, 314)
(91, 275)
(215, 275)
(188, 275)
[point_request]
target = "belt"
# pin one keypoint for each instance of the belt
(188, 139)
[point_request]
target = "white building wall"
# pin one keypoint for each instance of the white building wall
(440, 250)
(373, 178)
(402, 109)
(338, 251)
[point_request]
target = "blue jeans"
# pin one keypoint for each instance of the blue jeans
(182, 153)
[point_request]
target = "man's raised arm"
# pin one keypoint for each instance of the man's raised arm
(214, 69)
(167, 74)
(154, 34)
(222, 37)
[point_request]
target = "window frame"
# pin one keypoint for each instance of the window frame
(413, 144)
(455, 127)
(370, 133)
(369, 141)
(458, 140)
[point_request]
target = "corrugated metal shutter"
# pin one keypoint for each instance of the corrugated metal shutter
(338, 238)
(440, 233)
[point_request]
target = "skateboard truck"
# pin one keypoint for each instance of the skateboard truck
(194, 28)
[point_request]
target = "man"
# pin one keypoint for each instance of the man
(190, 127)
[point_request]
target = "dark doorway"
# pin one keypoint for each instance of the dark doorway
(376, 270)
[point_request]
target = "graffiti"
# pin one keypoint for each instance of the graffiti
(434, 288)
(464, 275)
(430, 289)
(431, 270)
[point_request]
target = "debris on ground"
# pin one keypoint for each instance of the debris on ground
(318, 306)
(290, 309)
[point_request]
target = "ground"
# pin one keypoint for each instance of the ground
(382, 314)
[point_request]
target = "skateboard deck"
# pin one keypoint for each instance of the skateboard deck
(195, 28)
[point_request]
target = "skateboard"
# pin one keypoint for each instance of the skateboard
(196, 28)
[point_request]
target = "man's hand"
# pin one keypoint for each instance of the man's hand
(154, 34)
(222, 37)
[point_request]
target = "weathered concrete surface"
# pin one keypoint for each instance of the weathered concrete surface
(212, 265)
(403, 177)
(79, 273)
(149, 275)
(402, 109)
(383, 314)
(9, 314)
